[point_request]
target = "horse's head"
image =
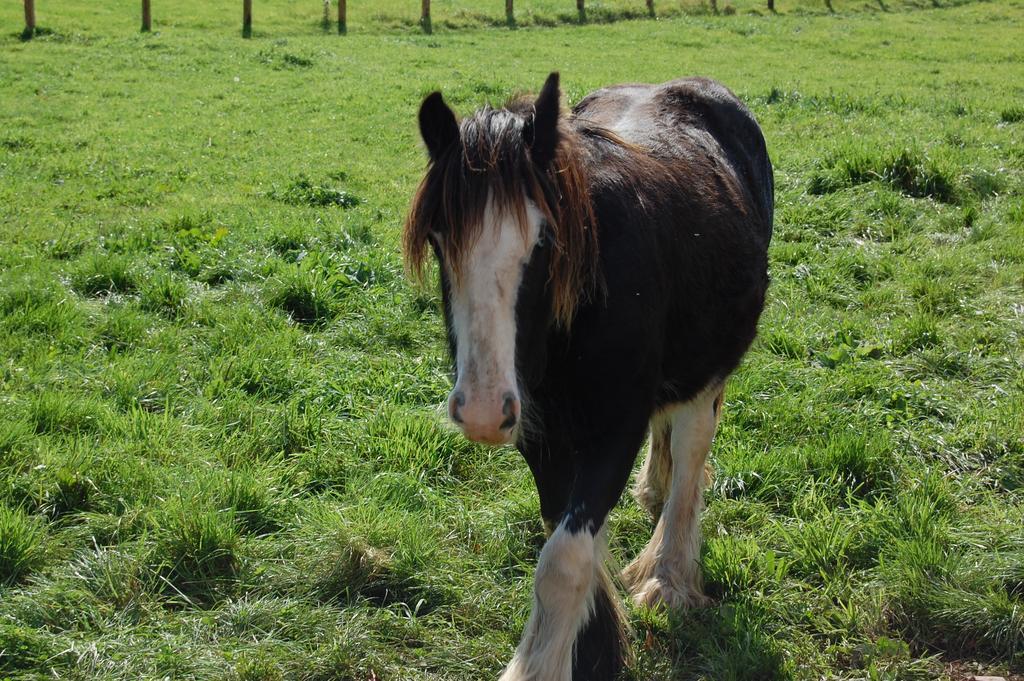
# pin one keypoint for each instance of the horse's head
(503, 206)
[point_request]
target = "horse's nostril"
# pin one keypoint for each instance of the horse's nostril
(456, 401)
(510, 410)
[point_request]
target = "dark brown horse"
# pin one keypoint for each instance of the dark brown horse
(602, 273)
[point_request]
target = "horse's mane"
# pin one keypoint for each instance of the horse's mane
(491, 161)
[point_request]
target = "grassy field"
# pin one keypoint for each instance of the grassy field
(221, 449)
(301, 17)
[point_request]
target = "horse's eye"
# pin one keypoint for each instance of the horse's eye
(542, 240)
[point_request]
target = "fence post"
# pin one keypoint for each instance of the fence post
(246, 18)
(771, 5)
(650, 7)
(147, 17)
(714, 6)
(342, 19)
(510, 15)
(425, 17)
(582, 10)
(30, 20)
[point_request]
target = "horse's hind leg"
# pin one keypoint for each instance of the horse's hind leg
(667, 570)
(655, 477)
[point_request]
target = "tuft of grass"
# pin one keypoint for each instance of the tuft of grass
(1013, 114)
(983, 184)
(733, 565)
(734, 642)
(349, 570)
(784, 344)
(917, 175)
(269, 431)
(69, 490)
(257, 667)
(99, 274)
(165, 295)
(283, 59)
(22, 541)
(308, 293)
(304, 192)
(935, 604)
(35, 305)
(860, 464)
(416, 442)
(916, 332)
(291, 242)
(118, 577)
(845, 465)
(122, 328)
(61, 412)
(197, 551)
(252, 500)
(908, 171)
(15, 434)
(822, 547)
(64, 248)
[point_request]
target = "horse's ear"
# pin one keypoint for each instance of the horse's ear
(545, 122)
(437, 125)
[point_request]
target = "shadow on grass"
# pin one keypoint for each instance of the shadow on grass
(730, 642)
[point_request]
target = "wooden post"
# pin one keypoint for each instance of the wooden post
(246, 18)
(147, 17)
(828, 3)
(342, 19)
(714, 6)
(510, 15)
(771, 5)
(325, 21)
(30, 20)
(650, 7)
(425, 17)
(582, 10)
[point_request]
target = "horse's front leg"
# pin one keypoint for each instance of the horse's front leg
(575, 631)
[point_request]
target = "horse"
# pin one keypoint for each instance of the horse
(602, 272)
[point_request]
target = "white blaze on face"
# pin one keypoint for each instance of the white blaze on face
(485, 401)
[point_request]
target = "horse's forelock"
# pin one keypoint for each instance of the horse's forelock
(491, 163)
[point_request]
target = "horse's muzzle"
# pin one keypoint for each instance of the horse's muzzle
(486, 419)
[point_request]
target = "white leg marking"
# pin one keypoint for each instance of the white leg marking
(655, 477)
(667, 570)
(563, 597)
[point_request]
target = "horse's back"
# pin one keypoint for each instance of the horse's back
(688, 120)
(684, 206)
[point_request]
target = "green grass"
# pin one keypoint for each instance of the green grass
(300, 18)
(219, 394)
